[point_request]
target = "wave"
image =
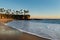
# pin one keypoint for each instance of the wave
(46, 30)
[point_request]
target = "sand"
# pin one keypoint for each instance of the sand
(23, 36)
(5, 20)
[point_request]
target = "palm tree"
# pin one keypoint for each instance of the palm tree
(21, 11)
(13, 12)
(1, 9)
(26, 11)
(17, 12)
(7, 12)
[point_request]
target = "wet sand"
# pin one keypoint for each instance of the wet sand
(23, 36)
(26, 36)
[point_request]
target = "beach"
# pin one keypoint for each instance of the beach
(23, 36)
(5, 20)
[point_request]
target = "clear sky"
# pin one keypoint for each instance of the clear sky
(37, 8)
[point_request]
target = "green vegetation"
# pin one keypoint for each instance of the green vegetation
(17, 12)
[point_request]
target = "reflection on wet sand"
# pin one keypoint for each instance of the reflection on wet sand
(18, 35)
(7, 33)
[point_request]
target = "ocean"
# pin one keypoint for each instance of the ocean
(43, 28)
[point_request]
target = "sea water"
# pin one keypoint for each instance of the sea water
(43, 28)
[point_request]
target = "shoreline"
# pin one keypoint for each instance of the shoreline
(25, 36)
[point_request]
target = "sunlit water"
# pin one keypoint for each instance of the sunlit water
(43, 28)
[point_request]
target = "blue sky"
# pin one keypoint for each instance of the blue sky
(38, 8)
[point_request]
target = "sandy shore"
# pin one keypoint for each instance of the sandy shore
(26, 36)
(5, 20)
(23, 36)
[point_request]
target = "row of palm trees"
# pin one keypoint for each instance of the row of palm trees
(9, 11)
